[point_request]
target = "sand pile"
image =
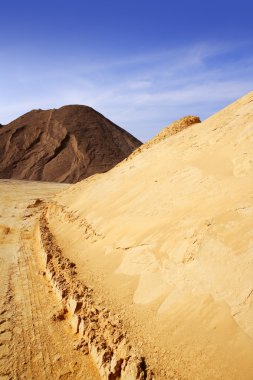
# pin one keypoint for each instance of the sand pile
(165, 241)
(62, 145)
(170, 130)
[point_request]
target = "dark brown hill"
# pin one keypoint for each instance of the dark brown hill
(62, 145)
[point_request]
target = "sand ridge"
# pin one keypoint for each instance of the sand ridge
(101, 332)
(175, 127)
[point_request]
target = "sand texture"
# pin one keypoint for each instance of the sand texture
(62, 145)
(175, 127)
(34, 342)
(142, 272)
(165, 242)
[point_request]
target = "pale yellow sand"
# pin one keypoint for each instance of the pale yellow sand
(166, 240)
(32, 345)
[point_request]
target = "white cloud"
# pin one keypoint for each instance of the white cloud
(141, 93)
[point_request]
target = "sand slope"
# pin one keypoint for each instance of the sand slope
(62, 145)
(166, 241)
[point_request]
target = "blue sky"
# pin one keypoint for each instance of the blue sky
(141, 63)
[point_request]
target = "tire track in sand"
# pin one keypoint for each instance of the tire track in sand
(48, 351)
(32, 345)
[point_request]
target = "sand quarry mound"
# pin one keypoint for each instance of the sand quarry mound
(165, 242)
(62, 145)
(175, 127)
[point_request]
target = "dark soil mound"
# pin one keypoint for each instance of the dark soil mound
(62, 145)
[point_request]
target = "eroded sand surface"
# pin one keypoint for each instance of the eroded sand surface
(165, 241)
(32, 344)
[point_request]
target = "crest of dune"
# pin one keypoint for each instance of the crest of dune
(166, 239)
(170, 130)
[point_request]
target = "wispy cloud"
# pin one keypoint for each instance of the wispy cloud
(140, 93)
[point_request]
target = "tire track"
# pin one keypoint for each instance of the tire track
(36, 359)
(38, 316)
(33, 346)
(5, 322)
(49, 352)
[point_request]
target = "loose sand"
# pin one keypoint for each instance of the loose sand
(165, 241)
(32, 344)
(151, 264)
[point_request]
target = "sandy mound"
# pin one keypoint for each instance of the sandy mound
(170, 130)
(165, 240)
(62, 145)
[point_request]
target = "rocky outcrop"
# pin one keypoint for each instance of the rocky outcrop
(62, 145)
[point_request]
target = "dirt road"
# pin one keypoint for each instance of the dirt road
(32, 344)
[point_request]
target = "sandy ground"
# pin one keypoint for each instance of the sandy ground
(151, 264)
(165, 240)
(32, 344)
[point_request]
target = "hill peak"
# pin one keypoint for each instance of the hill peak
(66, 144)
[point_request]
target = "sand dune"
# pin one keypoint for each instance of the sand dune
(165, 242)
